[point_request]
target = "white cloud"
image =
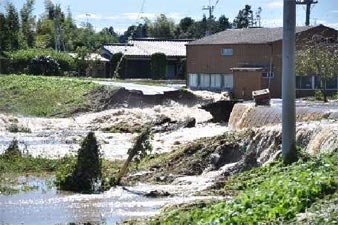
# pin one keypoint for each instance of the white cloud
(275, 4)
(135, 16)
(90, 16)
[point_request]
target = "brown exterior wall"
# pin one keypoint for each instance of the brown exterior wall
(208, 59)
(242, 88)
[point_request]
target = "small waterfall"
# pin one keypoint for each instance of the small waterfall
(314, 137)
(246, 115)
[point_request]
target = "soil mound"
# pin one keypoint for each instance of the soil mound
(105, 98)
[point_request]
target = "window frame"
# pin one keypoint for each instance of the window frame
(227, 52)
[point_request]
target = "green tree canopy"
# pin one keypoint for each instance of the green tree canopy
(319, 58)
(28, 23)
(162, 27)
(13, 26)
(244, 18)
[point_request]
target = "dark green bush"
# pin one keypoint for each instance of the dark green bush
(86, 176)
(44, 65)
(158, 65)
(13, 150)
(19, 60)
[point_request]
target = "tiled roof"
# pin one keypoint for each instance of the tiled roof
(246, 36)
(149, 47)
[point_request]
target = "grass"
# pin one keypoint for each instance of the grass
(268, 195)
(43, 96)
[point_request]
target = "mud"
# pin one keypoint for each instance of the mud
(105, 98)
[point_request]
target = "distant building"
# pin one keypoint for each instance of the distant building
(138, 54)
(244, 60)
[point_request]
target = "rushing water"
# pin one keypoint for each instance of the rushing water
(57, 137)
(47, 206)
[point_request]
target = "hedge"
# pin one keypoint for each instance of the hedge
(20, 60)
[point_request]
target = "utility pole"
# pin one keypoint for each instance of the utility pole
(210, 8)
(288, 82)
(308, 4)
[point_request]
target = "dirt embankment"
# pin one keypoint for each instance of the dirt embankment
(203, 155)
(104, 98)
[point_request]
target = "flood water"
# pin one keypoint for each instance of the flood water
(47, 206)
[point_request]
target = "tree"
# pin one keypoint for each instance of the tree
(158, 65)
(13, 26)
(199, 28)
(162, 27)
(319, 57)
(139, 31)
(28, 23)
(224, 22)
(4, 41)
(86, 175)
(82, 54)
(244, 18)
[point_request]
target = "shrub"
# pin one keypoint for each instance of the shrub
(319, 95)
(158, 65)
(44, 65)
(85, 177)
(20, 59)
(13, 150)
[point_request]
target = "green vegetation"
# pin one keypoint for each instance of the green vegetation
(24, 57)
(86, 175)
(43, 96)
(158, 65)
(15, 164)
(141, 148)
(272, 194)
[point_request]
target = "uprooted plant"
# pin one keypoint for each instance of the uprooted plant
(141, 148)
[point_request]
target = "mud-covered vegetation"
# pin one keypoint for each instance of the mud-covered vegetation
(42, 96)
(273, 194)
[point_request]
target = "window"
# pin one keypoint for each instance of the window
(331, 84)
(318, 83)
(205, 81)
(193, 80)
(304, 82)
(216, 81)
(268, 74)
(228, 81)
(227, 51)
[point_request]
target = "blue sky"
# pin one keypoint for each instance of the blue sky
(122, 13)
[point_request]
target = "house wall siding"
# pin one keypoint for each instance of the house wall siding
(207, 59)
